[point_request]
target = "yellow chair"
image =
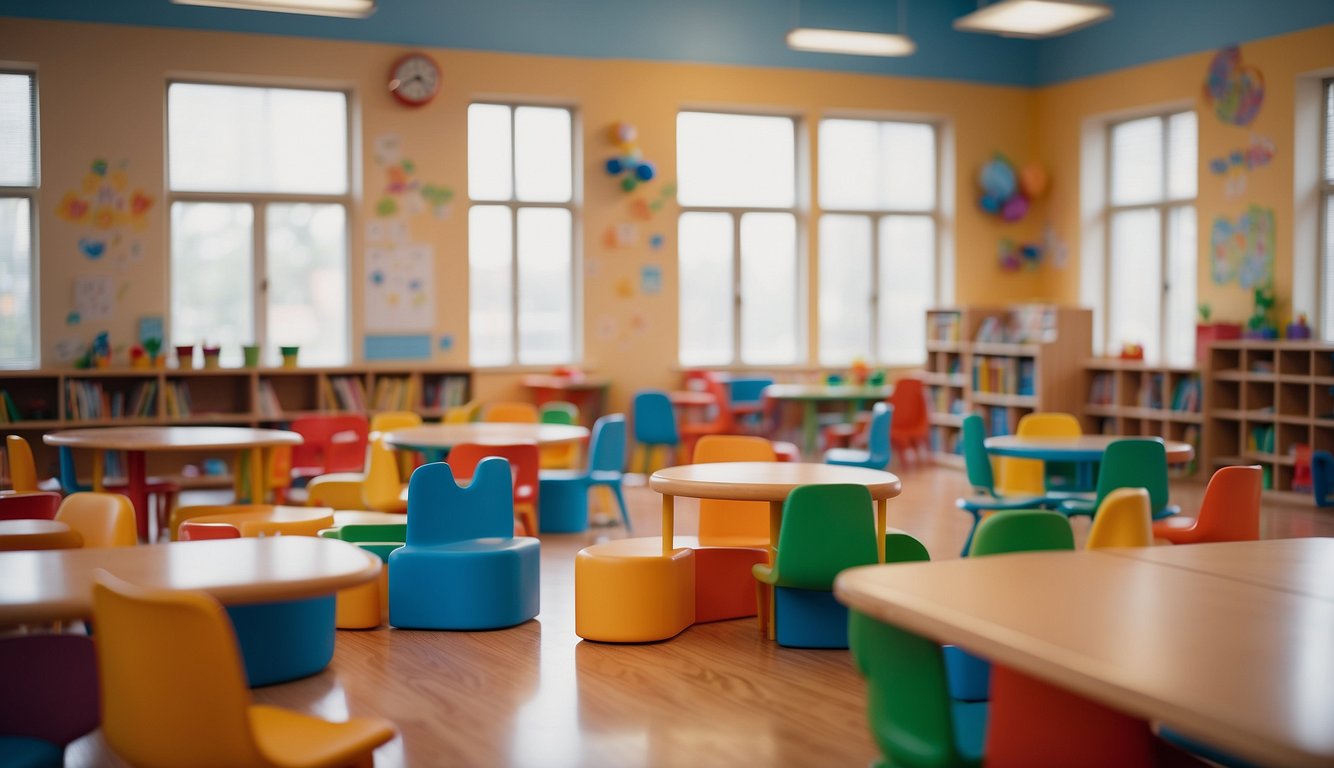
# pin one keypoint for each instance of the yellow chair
(22, 468)
(378, 489)
(628, 591)
(174, 693)
(1124, 519)
(462, 414)
(510, 412)
(1026, 477)
(102, 519)
(389, 421)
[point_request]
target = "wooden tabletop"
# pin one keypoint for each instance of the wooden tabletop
(1239, 665)
(691, 397)
(170, 438)
(827, 392)
(1301, 566)
(56, 585)
(539, 381)
(765, 480)
(274, 514)
(37, 534)
(434, 436)
(1083, 448)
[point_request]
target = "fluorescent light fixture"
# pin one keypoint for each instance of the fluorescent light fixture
(353, 8)
(1033, 18)
(847, 41)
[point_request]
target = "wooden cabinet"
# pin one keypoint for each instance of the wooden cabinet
(1128, 397)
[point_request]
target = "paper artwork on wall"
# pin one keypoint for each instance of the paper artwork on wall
(1235, 90)
(68, 350)
(655, 240)
(404, 193)
(398, 290)
(1244, 249)
(94, 297)
(110, 216)
(1054, 245)
(650, 279)
(1240, 162)
(622, 235)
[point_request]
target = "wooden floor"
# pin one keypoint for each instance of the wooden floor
(717, 694)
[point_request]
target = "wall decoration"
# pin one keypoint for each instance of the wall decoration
(606, 328)
(112, 216)
(622, 235)
(1053, 245)
(1244, 249)
(650, 279)
(68, 350)
(1239, 162)
(1007, 192)
(630, 164)
(1235, 90)
(73, 318)
(94, 297)
(1016, 256)
(624, 288)
(406, 347)
(403, 191)
(398, 290)
(446, 342)
(655, 240)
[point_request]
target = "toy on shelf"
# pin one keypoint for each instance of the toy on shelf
(1132, 351)
(1260, 326)
(1299, 329)
(153, 351)
(859, 371)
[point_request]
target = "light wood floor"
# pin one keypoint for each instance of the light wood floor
(718, 694)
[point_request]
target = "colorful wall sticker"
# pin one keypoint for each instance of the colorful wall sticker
(1244, 249)
(1238, 163)
(1235, 90)
(650, 279)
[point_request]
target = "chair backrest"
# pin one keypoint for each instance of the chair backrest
(723, 419)
(654, 420)
(368, 534)
(747, 389)
(173, 688)
(331, 442)
(877, 439)
(1139, 462)
(903, 547)
(909, 401)
(510, 412)
(976, 460)
(22, 468)
(382, 488)
(102, 519)
(724, 522)
(1022, 530)
(606, 448)
(388, 421)
(1322, 477)
(69, 473)
(1122, 520)
(34, 505)
(524, 460)
(558, 412)
(191, 530)
(826, 529)
(440, 512)
(1028, 476)
(1230, 510)
(50, 691)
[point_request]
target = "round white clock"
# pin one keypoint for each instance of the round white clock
(414, 79)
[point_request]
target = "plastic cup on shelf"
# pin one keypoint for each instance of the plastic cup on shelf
(185, 356)
(250, 355)
(289, 356)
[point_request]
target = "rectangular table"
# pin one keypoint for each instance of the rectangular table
(1230, 657)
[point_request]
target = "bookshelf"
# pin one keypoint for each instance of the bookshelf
(1264, 400)
(33, 403)
(1001, 363)
(1130, 397)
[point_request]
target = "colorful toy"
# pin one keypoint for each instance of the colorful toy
(1007, 193)
(630, 165)
(1132, 351)
(1259, 325)
(1299, 329)
(1015, 256)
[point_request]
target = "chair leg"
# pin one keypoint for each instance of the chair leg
(968, 542)
(620, 500)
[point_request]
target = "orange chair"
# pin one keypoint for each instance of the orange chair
(911, 428)
(510, 412)
(723, 422)
(1230, 510)
(102, 519)
(733, 535)
(524, 462)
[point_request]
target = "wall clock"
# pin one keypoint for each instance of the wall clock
(414, 79)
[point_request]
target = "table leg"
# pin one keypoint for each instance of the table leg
(775, 525)
(136, 489)
(881, 522)
(99, 469)
(809, 425)
(256, 475)
(668, 523)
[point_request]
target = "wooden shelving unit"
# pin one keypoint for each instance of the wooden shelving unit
(45, 400)
(1002, 363)
(1129, 397)
(1263, 401)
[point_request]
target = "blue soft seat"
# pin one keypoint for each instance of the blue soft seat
(462, 567)
(564, 493)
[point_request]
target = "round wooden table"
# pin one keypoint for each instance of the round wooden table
(1083, 449)
(811, 395)
(37, 534)
(435, 440)
(136, 441)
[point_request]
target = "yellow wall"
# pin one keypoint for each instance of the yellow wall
(1065, 111)
(102, 95)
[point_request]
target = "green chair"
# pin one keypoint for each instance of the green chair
(980, 476)
(1139, 462)
(826, 528)
(564, 456)
(558, 412)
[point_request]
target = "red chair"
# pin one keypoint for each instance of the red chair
(911, 428)
(1230, 510)
(330, 443)
(723, 422)
(38, 505)
(524, 459)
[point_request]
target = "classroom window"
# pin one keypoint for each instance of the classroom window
(1150, 286)
(1327, 215)
(521, 229)
(18, 190)
(877, 238)
(259, 185)
(738, 239)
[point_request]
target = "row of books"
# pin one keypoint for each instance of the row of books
(945, 326)
(269, 407)
(445, 392)
(344, 393)
(945, 400)
(9, 411)
(395, 393)
(1186, 395)
(91, 400)
(1004, 375)
(176, 400)
(1260, 440)
(945, 440)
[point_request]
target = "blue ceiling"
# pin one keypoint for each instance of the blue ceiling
(746, 32)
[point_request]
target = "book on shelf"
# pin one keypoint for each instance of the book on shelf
(394, 393)
(1100, 389)
(1151, 392)
(9, 411)
(176, 398)
(1004, 375)
(445, 392)
(945, 326)
(1261, 440)
(269, 406)
(349, 393)
(1187, 395)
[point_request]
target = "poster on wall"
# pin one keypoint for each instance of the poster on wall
(398, 287)
(1243, 249)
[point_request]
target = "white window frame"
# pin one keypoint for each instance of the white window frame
(1324, 237)
(876, 215)
(259, 203)
(736, 213)
(515, 205)
(29, 193)
(1164, 207)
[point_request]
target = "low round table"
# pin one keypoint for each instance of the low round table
(435, 440)
(37, 534)
(1084, 451)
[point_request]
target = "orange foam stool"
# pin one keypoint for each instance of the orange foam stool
(366, 606)
(723, 582)
(628, 591)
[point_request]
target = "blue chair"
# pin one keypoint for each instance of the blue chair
(1322, 478)
(564, 492)
(654, 423)
(978, 465)
(746, 394)
(462, 567)
(877, 453)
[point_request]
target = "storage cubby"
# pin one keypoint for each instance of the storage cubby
(1294, 399)
(1294, 363)
(1258, 397)
(214, 395)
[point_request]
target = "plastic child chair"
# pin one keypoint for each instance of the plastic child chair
(558, 412)
(173, 690)
(559, 456)
(36, 505)
(462, 536)
(1139, 462)
(330, 443)
(733, 523)
(379, 488)
(161, 493)
(1123, 520)
(102, 519)
(1322, 478)
(462, 414)
(1019, 477)
(746, 399)
(565, 492)
(1230, 510)
(826, 529)
(1022, 530)
(366, 606)
(510, 412)
(22, 468)
(978, 466)
(49, 698)
(878, 449)
(388, 421)
(523, 461)
(910, 429)
(722, 423)
(654, 424)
